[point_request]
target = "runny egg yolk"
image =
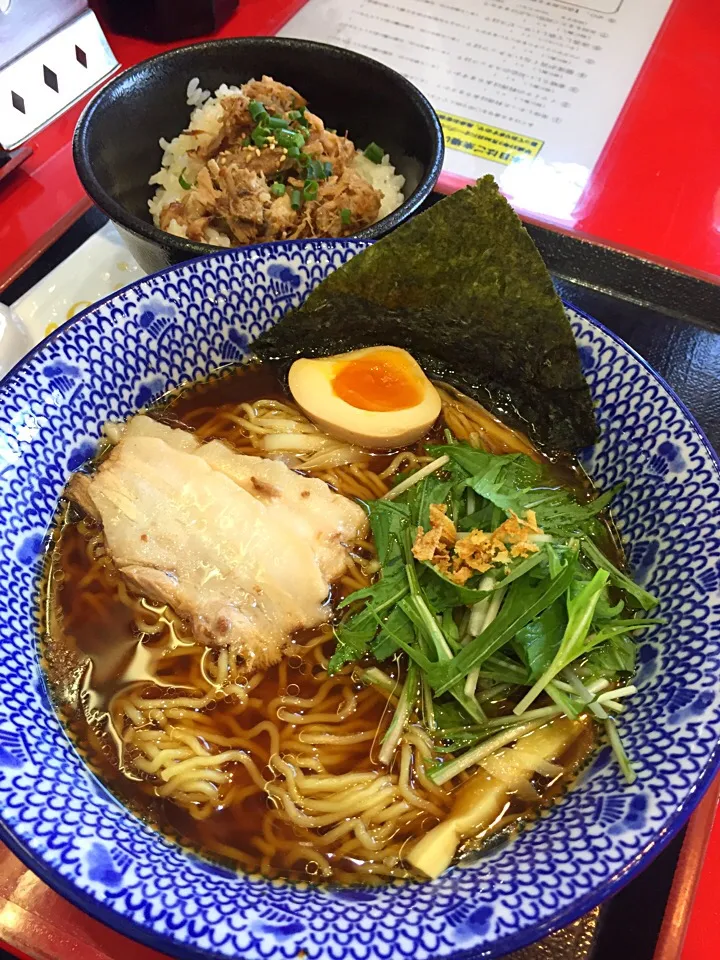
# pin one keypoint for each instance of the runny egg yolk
(377, 397)
(380, 381)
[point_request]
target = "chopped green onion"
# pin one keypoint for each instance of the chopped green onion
(294, 152)
(259, 137)
(310, 190)
(327, 170)
(257, 110)
(277, 189)
(374, 153)
(296, 199)
(289, 138)
(245, 142)
(298, 116)
(183, 182)
(276, 123)
(314, 169)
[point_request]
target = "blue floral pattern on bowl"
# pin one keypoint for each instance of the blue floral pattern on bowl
(179, 325)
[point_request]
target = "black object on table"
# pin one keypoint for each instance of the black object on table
(11, 159)
(671, 320)
(165, 20)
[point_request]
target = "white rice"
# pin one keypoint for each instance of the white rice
(382, 177)
(207, 115)
(196, 96)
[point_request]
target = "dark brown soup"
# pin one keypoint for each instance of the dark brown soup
(275, 771)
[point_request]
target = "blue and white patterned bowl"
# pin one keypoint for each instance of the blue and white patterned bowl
(56, 816)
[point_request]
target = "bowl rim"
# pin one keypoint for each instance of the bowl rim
(511, 942)
(191, 249)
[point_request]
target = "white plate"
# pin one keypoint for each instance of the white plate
(96, 269)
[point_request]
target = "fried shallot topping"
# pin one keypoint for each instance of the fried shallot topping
(459, 556)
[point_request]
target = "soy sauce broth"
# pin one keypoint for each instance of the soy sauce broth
(93, 650)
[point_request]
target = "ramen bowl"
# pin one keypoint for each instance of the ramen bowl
(61, 821)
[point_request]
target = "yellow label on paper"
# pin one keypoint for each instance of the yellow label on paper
(486, 141)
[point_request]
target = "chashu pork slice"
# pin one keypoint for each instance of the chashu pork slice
(305, 505)
(185, 533)
(142, 426)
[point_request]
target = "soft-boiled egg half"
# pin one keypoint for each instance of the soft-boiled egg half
(377, 397)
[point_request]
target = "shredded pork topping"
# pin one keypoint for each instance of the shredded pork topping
(230, 179)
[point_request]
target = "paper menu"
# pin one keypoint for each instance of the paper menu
(527, 90)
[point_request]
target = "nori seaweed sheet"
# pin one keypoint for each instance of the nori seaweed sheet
(464, 289)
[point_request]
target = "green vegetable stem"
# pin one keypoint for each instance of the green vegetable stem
(542, 624)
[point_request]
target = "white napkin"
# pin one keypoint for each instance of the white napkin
(14, 339)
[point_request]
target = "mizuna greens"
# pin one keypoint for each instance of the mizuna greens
(550, 628)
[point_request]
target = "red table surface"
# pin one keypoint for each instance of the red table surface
(44, 196)
(702, 933)
(655, 190)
